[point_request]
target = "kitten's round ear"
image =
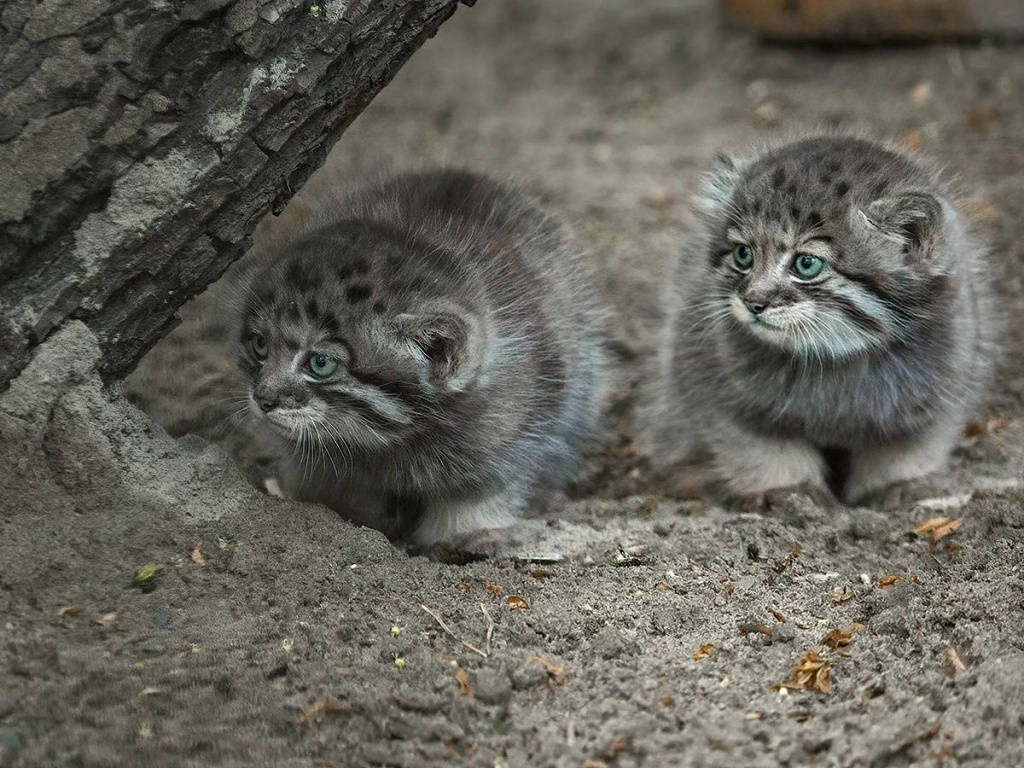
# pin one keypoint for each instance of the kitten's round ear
(450, 343)
(913, 218)
(719, 183)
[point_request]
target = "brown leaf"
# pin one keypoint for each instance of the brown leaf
(667, 701)
(494, 590)
(69, 610)
(892, 578)
(837, 639)
(197, 556)
(542, 573)
(703, 651)
(955, 660)
(322, 707)
(938, 528)
(465, 687)
(729, 588)
(517, 603)
(756, 626)
(555, 671)
(811, 673)
(779, 617)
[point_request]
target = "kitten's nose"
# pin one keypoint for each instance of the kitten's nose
(266, 403)
(756, 306)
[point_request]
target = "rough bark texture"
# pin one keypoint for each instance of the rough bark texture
(141, 141)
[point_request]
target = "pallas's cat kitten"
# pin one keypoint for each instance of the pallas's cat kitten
(833, 302)
(427, 353)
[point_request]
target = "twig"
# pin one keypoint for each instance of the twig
(490, 627)
(447, 629)
(439, 620)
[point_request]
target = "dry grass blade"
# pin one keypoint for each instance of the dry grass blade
(490, 627)
(322, 707)
(887, 581)
(703, 651)
(779, 617)
(811, 673)
(465, 687)
(938, 528)
(70, 610)
(955, 660)
(439, 621)
(556, 672)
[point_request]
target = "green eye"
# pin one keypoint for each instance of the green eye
(743, 257)
(258, 346)
(807, 266)
(322, 366)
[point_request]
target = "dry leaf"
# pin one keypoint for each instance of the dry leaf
(703, 651)
(729, 588)
(779, 617)
(892, 578)
(837, 639)
(69, 610)
(756, 626)
(494, 590)
(465, 687)
(938, 528)
(516, 603)
(811, 673)
(842, 594)
(668, 701)
(320, 707)
(542, 573)
(107, 620)
(555, 671)
(955, 660)
(197, 556)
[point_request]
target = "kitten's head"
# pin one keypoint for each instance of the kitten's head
(827, 247)
(354, 335)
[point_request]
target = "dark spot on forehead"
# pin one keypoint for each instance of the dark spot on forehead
(380, 307)
(361, 266)
(834, 166)
(825, 179)
(791, 189)
(357, 293)
(842, 188)
(794, 213)
(779, 178)
(813, 219)
(293, 311)
(331, 324)
(758, 206)
(299, 276)
(344, 272)
(312, 309)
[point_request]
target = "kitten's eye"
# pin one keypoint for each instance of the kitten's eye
(743, 257)
(322, 366)
(258, 346)
(807, 266)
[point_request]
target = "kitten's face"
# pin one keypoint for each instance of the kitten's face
(338, 354)
(811, 256)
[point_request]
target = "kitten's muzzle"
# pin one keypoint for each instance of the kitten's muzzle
(267, 403)
(756, 305)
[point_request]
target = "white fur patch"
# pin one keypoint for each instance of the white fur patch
(448, 520)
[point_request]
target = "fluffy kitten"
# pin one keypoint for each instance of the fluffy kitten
(427, 352)
(834, 301)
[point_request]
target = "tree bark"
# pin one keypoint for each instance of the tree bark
(142, 140)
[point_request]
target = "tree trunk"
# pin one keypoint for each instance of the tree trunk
(142, 140)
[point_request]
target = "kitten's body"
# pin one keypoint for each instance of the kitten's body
(882, 357)
(471, 339)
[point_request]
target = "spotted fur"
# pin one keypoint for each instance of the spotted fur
(468, 348)
(881, 356)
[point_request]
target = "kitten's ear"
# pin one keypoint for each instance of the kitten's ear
(719, 183)
(914, 218)
(450, 343)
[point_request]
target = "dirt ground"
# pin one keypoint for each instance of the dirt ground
(275, 634)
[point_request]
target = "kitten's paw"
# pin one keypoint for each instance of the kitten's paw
(905, 493)
(765, 502)
(488, 544)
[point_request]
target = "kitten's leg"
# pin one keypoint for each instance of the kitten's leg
(751, 464)
(457, 530)
(878, 468)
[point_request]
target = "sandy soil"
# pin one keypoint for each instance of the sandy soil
(274, 634)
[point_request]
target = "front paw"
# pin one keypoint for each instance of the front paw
(487, 544)
(773, 499)
(904, 494)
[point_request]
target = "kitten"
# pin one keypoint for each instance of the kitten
(427, 353)
(833, 301)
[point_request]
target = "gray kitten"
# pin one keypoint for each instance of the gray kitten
(833, 302)
(427, 352)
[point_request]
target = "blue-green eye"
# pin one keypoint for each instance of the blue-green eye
(258, 346)
(743, 257)
(807, 266)
(322, 366)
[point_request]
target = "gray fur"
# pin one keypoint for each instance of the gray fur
(469, 352)
(882, 356)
